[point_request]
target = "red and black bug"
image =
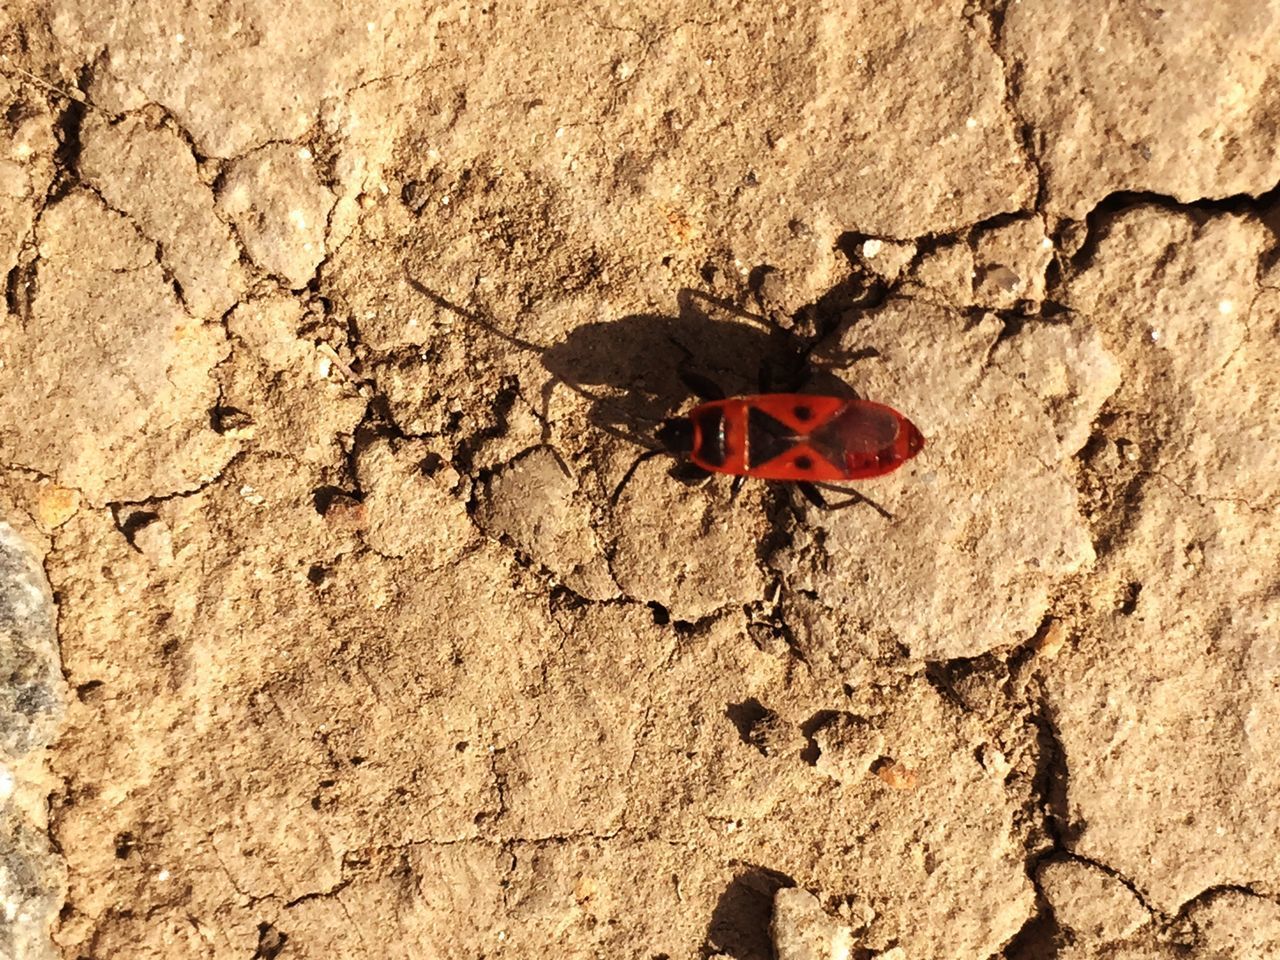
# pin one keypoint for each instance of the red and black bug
(807, 439)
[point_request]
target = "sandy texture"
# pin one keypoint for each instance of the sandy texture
(332, 333)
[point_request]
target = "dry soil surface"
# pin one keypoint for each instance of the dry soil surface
(331, 332)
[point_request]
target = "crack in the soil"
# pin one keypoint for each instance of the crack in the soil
(182, 492)
(1047, 806)
(1106, 211)
(1049, 791)
(1205, 500)
(158, 257)
(1210, 893)
(992, 31)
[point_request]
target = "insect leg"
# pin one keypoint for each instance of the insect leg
(765, 379)
(854, 498)
(617, 491)
(736, 487)
(813, 495)
(704, 388)
(701, 387)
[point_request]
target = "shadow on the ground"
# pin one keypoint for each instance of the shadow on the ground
(739, 925)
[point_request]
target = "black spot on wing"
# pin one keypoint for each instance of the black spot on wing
(767, 437)
(802, 412)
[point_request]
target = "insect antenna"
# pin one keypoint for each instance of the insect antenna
(69, 93)
(528, 346)
(473, 317)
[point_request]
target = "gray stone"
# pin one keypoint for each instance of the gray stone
(32, 692)
(802, 930)
(32, 702)
(32, 887)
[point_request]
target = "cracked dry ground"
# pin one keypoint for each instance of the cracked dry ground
(327, 333)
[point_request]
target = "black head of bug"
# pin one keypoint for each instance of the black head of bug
(676, 436)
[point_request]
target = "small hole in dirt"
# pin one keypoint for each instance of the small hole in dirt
(461, 746)
(316, 574)
(12, 281)
(812, 751)
(847, 688)
(1129, 597)
(315, 803)
(415, 195)
(1094, 446)
(745, 716)
(1039, 938)
(136, 521)
(661, 616)
(562, 598)
(430, 465)
(169, 648)
(225, 419)
(125, 845)
(270, 942)
(87, 688)
(708, 272)
(356, 761)
(323, 498)
(666, 262)
(327, 783)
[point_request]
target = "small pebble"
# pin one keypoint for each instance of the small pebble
(802, 930)
(896, 774)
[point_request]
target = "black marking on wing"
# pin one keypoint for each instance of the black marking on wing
(767, 437)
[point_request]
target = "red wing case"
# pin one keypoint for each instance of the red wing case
(796, 436)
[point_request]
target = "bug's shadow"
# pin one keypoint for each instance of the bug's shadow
(630, 368)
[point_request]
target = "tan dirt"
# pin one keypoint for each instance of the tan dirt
(331, 336)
